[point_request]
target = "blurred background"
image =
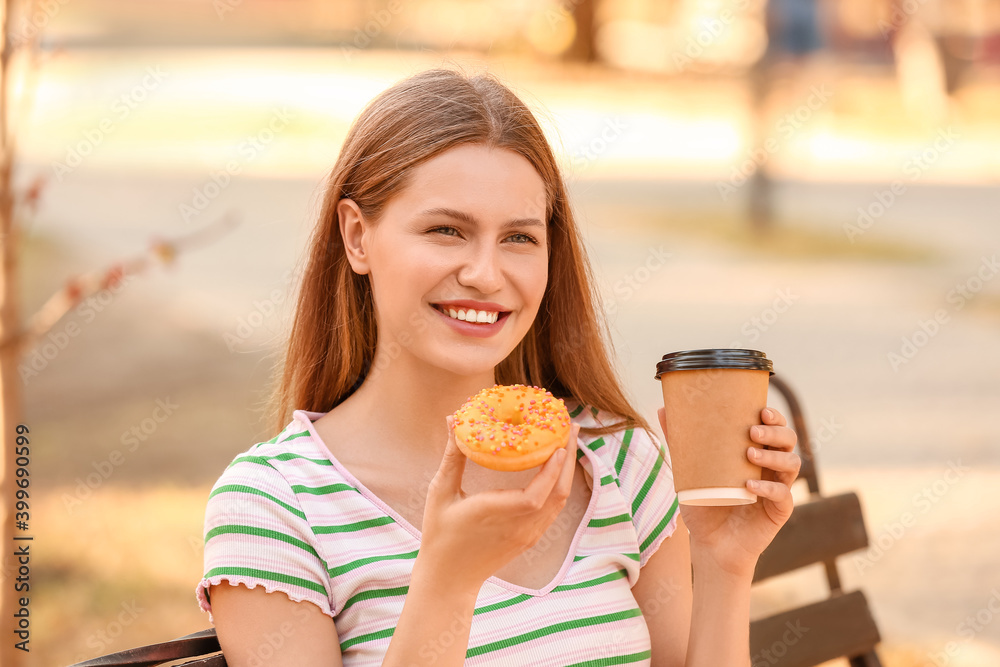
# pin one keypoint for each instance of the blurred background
(815, 179)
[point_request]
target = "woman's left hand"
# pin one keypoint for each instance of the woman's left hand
(733, 536)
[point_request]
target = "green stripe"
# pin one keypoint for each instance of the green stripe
(646, 486)
(355, 564)
(564, 587)
(243, 488)
(376, 593)
(619, 574)
(609, 521)
(659, 528)
(285, 456)
(607, 479)
(634, 557)
(300, 434)
(613, 660)
(352, 527)
(261, 532)
(593, 411)
(552, 629)
(270, 576)
(623, 451)
(381, 634)
(322, 490)
(500, 605)
(592, 446)
(578, 410)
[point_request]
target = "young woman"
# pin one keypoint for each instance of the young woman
(446, 259)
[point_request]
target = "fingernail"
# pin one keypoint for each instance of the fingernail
(756, 431)
(754, 453)
(769, 413)
(754, 484)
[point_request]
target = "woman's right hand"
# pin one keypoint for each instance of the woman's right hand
(466, 539)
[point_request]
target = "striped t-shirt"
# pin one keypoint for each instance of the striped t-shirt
(287, 515)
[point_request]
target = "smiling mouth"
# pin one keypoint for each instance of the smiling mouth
(470, 314)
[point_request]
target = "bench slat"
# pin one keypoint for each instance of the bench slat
(199, 643)
(840, 626)
(817, 531)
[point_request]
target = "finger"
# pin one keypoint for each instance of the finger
(452, 463)
(565, 482)
(778, 437)
(786, 464)
(661, 413)
(772, 416)
(533, 497)
(779, 494)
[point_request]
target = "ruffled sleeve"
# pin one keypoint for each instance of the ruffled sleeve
(647, 482)
(257, 534)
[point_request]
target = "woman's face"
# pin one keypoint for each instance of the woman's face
(458, 262)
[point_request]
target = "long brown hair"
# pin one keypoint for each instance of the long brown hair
(332, 341)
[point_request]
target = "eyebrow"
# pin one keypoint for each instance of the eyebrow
(469, 219)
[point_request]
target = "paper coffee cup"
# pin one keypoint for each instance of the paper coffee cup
(711, 398)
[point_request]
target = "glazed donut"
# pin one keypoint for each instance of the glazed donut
(511, 427)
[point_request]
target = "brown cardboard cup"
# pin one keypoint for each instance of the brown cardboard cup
(711, 398)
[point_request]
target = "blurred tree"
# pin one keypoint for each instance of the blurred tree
(12, 653)
(792, 28)
(583, 48)
(20, 28)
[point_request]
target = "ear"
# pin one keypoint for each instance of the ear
(356, 233)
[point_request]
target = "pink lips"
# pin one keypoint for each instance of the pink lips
(473, 329)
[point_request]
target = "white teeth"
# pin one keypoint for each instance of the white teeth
(470, 315)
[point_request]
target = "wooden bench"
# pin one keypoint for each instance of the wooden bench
(820, 530)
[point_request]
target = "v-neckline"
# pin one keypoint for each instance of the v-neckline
(595, 487)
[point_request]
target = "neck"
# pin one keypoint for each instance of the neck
(406, 402)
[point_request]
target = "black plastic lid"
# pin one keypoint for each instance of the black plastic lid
(690, 360)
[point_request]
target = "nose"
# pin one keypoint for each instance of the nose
(482, 268)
